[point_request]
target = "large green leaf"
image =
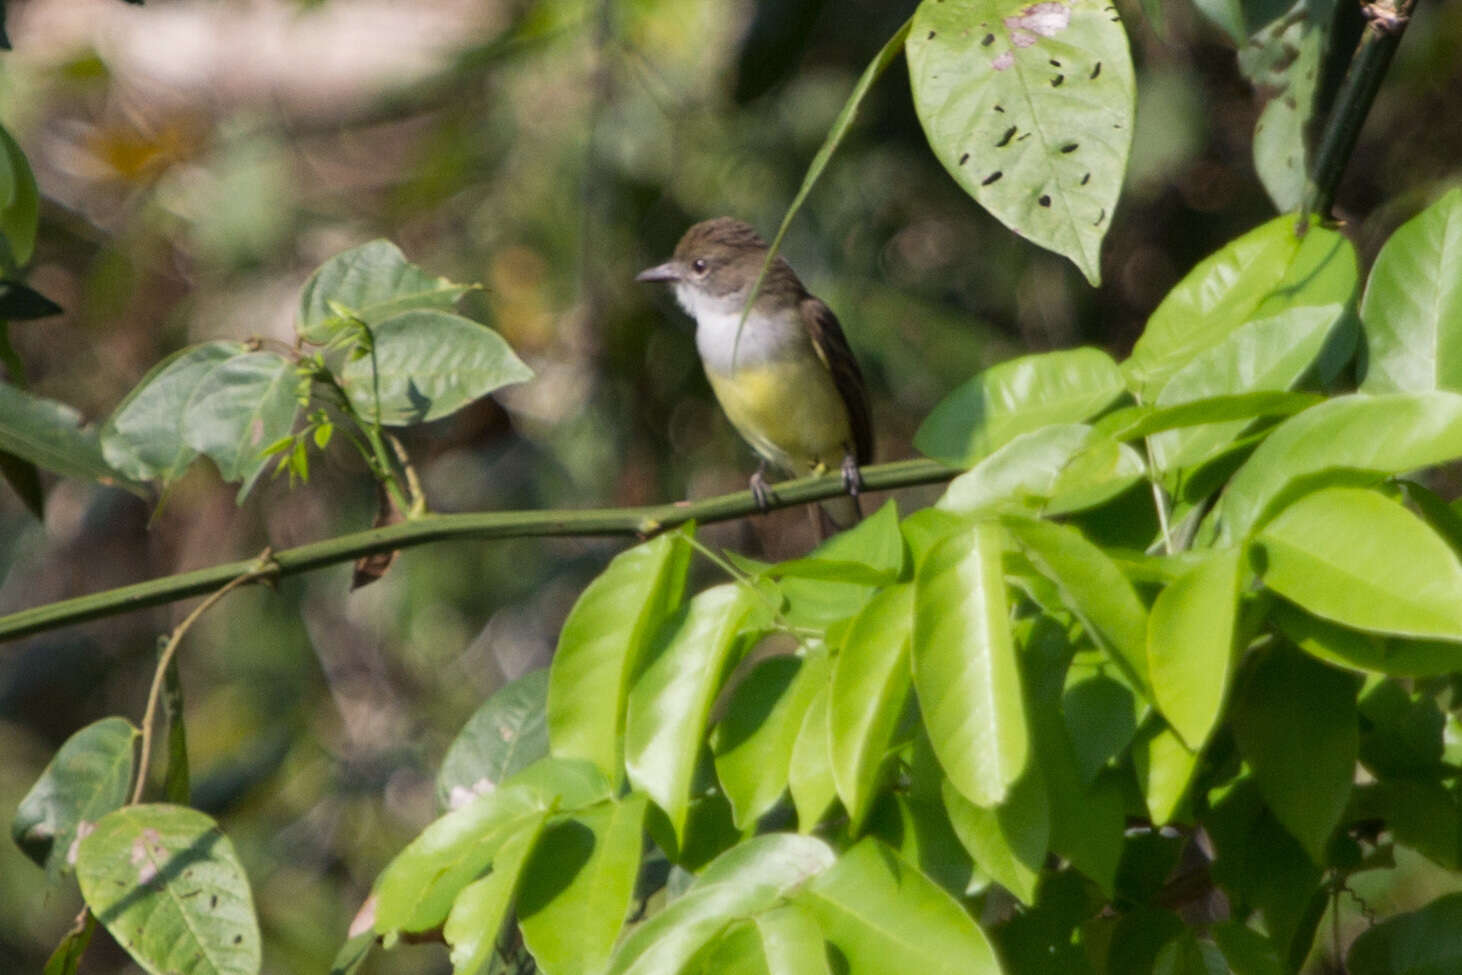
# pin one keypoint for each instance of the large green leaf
(1190, 637)
(1366, 652)
(143, 438)
(1010, 841)
(1412, 310)
(964, 665)
(1294, 720)
(371, 282)
(417, 888)
(870, 686)
(427, 364)
(238, 409)
(1353, 556)
(87, 778)
(1016, 397)
(578, 890)
(1058, 469)
(166, 883)
(810, 773)
(785, 940)
(1427, 941)
(49, 434)
(870, 553)
(753, 743)
(670, 705)
(1368, 435)
(602, 645)
(506, 734)
(476, 918)
(882, 914)
(1268, 354)
(1030, 108)
(1263, 273)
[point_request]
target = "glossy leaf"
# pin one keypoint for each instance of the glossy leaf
(1010, 841)
(871, 552)
(870, 687)
(476, 919)
(1355, 557)
(1412, 311)
(579, 888)
(49, 435)
(1295, 722)
(875, 908)
(603, 644)
(418, 886)
(1190, 637)
(1367, 435)
(167, 885)
(753, 742)
(564, 784)
(1427, 941)
(1164, 767)
(1269, 354)
(143, 438)
(1092, 587)
(1059, 468)
(785, 940)
(238, 409)
(964, 665)
(508, 733)
(810, 774)
(427, 364)
(670, 705)
(373, 282)
(1263, 273)
(1030, 109)
(1015, 397)
(87, 778)
(1145, 420)
(1366, 652)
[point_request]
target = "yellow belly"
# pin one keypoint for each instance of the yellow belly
(789, 411)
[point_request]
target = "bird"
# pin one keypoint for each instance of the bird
(788, 382)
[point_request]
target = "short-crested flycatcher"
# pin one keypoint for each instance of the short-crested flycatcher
(788, 382)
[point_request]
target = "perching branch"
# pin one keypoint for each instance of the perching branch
(604, 522)
(1386, 21)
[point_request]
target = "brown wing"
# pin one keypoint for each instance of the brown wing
(827, 337)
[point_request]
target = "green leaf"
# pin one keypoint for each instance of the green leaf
(1100, 713)
(602, 645)
(1412, 310)
(1282, 155)
(1133, 422)
(476, 918)
(878, 910)
(753, 742)
(563, 783)
(507, 733)
(785, 940)
(670, 704)
(427, 364)
(871, 552)
(143, 438)
(373, 282)
(870, 687)
(1294, 720)
(1366, 652)
(87, 778)
(810, 774)
(1355, 557)
(580, 887)
(1190, 651)
(21, 303)
(240, 407)
(49, 435)
(1263, 273)
(1092, 587)
(1164, 767)
(1030, 109)
(24, 479)
(1427, 941)
(1246, 951)
(964, 665)
(418, 886)
(1269, 354)
(1015, 397)
(21, 202)
(167, 885)
(1059, 468)
(1010, 841)
(782, 861)
(1186, 955)
(1368, 435)
(66, 959)
(352, 954)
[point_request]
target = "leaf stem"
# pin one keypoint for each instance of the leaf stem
(606, 522)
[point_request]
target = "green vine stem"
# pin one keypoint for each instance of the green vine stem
(604, 522)
(1386, 21)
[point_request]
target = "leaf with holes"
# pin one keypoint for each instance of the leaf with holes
(1030, 108)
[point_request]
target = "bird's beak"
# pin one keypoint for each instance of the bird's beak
(661, 272)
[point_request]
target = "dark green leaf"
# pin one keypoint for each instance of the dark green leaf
(1008, 842)
(20, 303)
(508, 733)
(49, 435)
(66, 959)
(19, 198)
(1427, 941)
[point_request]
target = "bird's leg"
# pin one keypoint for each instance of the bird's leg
(852, 477)
(759, 489)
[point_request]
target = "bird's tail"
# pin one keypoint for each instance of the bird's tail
(834, 515)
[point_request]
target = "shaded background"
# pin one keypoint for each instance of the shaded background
(198, 159)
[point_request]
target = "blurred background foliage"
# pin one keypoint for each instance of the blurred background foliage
(198, 159)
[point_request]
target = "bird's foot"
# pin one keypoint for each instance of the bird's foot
(760, 491)
(852, 477)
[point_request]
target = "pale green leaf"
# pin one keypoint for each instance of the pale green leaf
(1190, 652)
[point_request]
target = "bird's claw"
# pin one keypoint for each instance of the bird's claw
(760, 492)
(852, 477)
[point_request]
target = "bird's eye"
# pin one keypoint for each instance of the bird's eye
(698, 265)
